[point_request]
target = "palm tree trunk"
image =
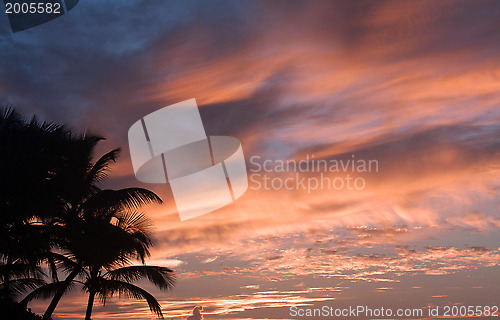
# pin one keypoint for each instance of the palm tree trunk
(90, 305)
(55, 300)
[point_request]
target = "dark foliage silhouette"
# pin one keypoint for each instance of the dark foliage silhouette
(53, 213)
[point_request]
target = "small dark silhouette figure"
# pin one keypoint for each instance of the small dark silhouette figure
(196, 314)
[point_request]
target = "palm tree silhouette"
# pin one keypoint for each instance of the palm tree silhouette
(102, 248)
(111, 273)
(90, 207)
(53, 211)
(33, 153)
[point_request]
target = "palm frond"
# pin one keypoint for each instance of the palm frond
(45, 126)
(134, 230)
(108, 288)
(104, 244)
(132, 221)
(98, 171)
(47, 291)
(21, 270)
(128, 198)
(62, 262)
(161, 277)
(9, 117)
(19, 286)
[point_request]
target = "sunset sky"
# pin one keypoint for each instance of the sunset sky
(414, 85)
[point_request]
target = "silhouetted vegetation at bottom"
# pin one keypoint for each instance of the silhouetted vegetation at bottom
(14, 311)
(59, 228)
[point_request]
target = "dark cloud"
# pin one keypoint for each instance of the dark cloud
(94, 66)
